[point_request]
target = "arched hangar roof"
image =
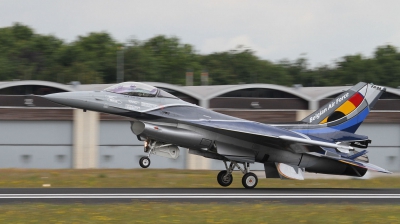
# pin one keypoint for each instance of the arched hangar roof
(210, 92)
(339, 89)
(4, 85)
(393, 91)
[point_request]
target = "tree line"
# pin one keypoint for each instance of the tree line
(26, 55)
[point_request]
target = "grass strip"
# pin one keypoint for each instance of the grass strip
(158, 212)
(165, 178)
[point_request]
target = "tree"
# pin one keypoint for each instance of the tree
(387, 62)
(90, 59)
(170, 58)
(27, 55)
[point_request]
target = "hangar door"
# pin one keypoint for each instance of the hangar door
(36, 144)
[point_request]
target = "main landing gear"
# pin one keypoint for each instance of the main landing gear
(249, 179)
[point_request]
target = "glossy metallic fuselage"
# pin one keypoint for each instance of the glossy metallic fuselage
(205, 132)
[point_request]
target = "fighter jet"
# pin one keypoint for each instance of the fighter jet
(323, 142)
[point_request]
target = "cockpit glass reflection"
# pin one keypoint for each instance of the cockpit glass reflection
(133, 89)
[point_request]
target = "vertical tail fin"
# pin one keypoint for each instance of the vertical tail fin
(347, 111)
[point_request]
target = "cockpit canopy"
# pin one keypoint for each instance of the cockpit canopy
(138, 89)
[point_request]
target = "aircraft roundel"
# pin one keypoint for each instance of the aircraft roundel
(348, 106)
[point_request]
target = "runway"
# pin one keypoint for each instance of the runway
(195, 195)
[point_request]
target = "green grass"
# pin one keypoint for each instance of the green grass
(166, 178)
(171, 212)
(156, 212)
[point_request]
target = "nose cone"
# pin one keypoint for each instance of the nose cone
(67, 99)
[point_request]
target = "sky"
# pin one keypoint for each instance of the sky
(321, 31)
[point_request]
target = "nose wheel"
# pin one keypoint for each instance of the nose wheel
(144, 162)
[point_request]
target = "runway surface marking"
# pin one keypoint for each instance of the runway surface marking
(199, 196)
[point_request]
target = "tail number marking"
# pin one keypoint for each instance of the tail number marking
(377, 87)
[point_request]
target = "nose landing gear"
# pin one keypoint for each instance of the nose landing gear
(249, 179)
(144, 162)
(159, 149)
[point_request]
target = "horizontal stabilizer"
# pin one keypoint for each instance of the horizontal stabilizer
(358, 154)
(368, 166)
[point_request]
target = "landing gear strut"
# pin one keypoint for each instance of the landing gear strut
(249, 179)
(144, 162)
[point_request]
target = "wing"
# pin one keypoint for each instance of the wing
(268, 135)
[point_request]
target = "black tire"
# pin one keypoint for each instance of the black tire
(144, 162)
(224, 181)
(249, 180)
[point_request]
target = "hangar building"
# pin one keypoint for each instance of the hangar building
(37, 133)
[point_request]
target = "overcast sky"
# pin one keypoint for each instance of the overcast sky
(322, 30)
